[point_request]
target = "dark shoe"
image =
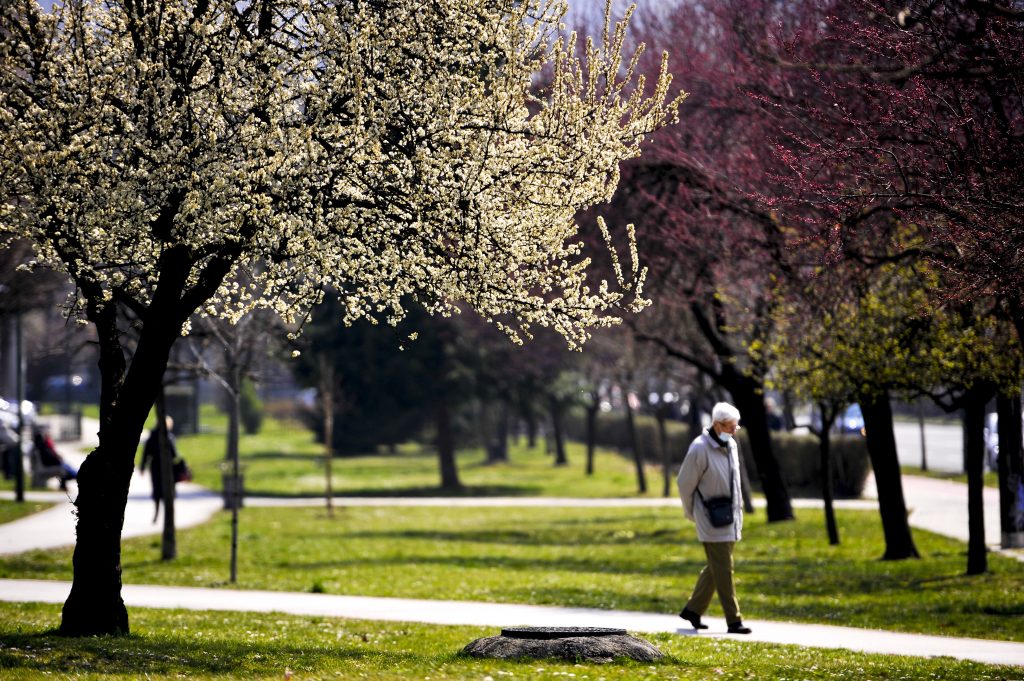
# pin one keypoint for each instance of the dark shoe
(693, 618)
(738, 628)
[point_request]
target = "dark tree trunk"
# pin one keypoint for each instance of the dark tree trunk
(1011, 472)
(557, 432)
(531, 428)
(666, 456)
(95, 606)
(693, 414)
(747, 395)
(591, 435)
(446, 446)
(974, 457)
(788, 419)
(328, 403)
(501, 433)
(495, 433)
(828, 417)
(234, 498)
(899, 543)
(638, 460)
(168, 540)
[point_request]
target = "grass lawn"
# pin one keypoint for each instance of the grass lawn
(634, 559)
(221, 645)
(991, 477)
(12, 510)
(283, 460)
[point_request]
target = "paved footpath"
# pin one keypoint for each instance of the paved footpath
(937, 505)
(500, 615)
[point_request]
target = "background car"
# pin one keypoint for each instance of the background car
(851, 421)
(992, 441)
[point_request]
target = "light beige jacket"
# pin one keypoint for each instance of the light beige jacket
(707, 466)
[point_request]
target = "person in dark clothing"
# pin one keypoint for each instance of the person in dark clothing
(48, 456)
(151, 457)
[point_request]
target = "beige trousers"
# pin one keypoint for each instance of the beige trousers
(716, 576)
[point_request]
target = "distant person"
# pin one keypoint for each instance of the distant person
(709, 485)
(151, 457)
(49, 457)
(774, 417)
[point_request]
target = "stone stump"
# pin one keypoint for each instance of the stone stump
(592, 644)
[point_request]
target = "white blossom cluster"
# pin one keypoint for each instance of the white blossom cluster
(389, 149)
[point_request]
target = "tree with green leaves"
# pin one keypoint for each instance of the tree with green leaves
(847, 334)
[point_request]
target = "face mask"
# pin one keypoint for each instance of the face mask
(724, 437)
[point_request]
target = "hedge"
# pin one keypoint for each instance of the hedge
(798, 454)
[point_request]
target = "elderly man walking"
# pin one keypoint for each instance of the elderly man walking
(709, 485)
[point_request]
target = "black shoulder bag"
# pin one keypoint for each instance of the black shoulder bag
(720, 508)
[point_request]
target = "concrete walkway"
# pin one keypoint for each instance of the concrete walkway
(500, 615)
(937, 505)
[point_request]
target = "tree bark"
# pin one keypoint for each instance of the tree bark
(168, 541)
(666, 455)
(234, 441)
(591, 435)
(747, 395)
(899, 543)
(494, 431)
(95, 606)
(1011, 472)
(638, 459)
(974, 458)
(557, 431)
(328, 385)
(531, 428)
(446, 446)
(827, 495)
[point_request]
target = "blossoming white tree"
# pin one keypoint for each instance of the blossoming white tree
(155, 150)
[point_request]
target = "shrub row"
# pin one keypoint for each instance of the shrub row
(798, 454)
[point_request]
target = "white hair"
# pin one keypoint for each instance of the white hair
(723, 411)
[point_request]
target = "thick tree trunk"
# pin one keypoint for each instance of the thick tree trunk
(974, 456)
(95, 606)
(591, 435)
(747, 395)
(899, 543)
(638, 459)
(494, 432)
(1011, 472)
(501, 433)
(446, 446)
(531, 429)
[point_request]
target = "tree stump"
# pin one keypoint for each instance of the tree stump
(591, 644)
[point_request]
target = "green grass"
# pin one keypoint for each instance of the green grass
(12, 510)
(284, 460)
(634, 559)
(168, 644)
(991, 478)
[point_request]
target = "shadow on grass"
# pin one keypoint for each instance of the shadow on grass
(468, 491)
(536, 565)
(525, 537)
(141, 656)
